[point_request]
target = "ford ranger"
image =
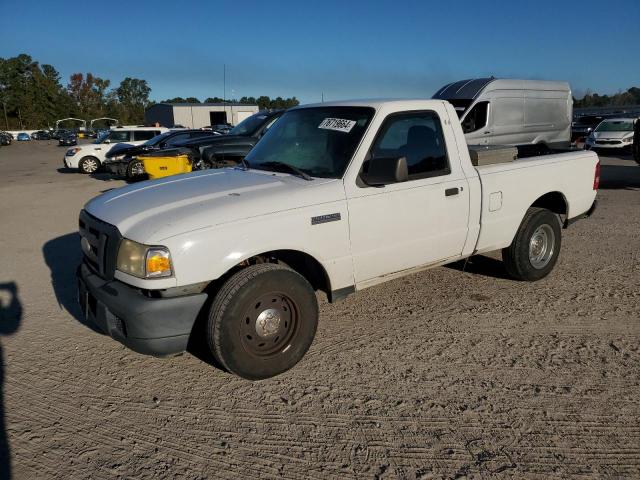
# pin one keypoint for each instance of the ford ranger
(335, 197)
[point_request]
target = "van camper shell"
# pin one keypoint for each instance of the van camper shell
(512, 112)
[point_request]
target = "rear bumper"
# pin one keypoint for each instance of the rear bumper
(587, 214)
(152, 326)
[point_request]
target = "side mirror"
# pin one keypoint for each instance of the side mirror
(383, 171)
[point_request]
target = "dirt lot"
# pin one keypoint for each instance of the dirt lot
(442, 374)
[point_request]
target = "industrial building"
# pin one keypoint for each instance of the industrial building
(197, 115)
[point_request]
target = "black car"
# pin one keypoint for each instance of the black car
(60, 132)
(41, 135)
(230, 149)
(5, 138)
(68, 139)
(122, 159)
(635, 147)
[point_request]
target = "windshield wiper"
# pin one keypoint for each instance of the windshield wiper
(244, 165)
(295, 170)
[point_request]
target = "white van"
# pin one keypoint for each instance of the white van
(89, 158)
(512, 112)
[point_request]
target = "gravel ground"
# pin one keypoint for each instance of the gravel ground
(442, 374)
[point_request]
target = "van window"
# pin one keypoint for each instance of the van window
(418, 137)
(507, 112)
(143, 135)
(476, 118)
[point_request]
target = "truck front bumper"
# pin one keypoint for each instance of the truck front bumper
(152, 326)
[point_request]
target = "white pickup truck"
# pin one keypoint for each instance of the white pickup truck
(335, 197)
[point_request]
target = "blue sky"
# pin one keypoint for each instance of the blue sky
(346, 49)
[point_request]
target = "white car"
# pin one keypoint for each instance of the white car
(335, 197)
(90, 157)
(612, 134)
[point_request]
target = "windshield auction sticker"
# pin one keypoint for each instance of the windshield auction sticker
(337, 124)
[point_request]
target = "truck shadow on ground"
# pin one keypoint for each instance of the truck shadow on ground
(63, 255)
(10, 318)
(481, 265)
(620, 176)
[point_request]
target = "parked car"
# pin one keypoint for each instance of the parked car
(59, 132)
(41, 135)
(636, 142)
(68, 139)
(122, 159)
(5, 138)
(335, 197)
(512, 112)
(90, 157)
(230, 149)
(23, 137)
(612, 134)
(222, 129)
(583, 125)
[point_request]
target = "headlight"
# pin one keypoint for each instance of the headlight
(143, 261)
(72, 151)
(628, 139)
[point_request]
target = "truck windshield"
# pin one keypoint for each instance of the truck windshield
(615, 126)
(319, 141)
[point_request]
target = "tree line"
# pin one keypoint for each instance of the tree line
(263, 102)
(620, 99)
(32, 96)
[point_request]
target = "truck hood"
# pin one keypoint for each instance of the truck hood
(151, 211)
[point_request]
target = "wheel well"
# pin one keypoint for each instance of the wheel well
(301, 262)
(553, 201)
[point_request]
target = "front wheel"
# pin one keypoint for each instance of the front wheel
(135, 169)
(89, 165)
(536, 246)
(262, 321)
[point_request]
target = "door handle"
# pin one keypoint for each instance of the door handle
(487, 132)
(451, 191)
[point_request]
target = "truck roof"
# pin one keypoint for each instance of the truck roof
(374, 103)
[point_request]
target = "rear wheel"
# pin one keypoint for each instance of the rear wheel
(262, 321)
(536, 246)
(89, 165)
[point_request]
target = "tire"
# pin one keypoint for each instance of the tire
(536, 246)
(254, 342)
(202, 165)
(135, 169)
(89, 165)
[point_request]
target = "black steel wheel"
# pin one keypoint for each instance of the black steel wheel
(262, 321)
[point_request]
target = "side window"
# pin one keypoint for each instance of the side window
(476, 118)
(418, 137)
(182, 137)
(143, 135)
(119, 136)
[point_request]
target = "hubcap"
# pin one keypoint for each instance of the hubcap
(137, 168)
(90, 165)
(269, 324)
(541, 246)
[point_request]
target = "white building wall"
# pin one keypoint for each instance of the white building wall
(198, 116)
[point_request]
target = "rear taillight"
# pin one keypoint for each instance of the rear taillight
(596, 177)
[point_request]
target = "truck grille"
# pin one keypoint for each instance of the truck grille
(99, 241)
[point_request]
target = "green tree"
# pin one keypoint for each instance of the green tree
(133, 95)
